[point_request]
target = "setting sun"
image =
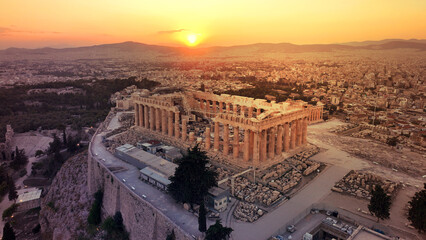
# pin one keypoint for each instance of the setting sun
(192, 39)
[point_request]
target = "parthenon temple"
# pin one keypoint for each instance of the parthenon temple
(245, 131)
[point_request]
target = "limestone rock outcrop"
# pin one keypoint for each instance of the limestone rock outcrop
(65, 207)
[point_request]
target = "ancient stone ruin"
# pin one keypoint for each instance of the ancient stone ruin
(246, 132)
(360, 184)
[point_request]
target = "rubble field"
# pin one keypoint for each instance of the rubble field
(247, 212)
(360, 184)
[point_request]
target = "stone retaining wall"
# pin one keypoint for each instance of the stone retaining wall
(142, 220)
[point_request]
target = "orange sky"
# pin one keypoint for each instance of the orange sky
(60, 23)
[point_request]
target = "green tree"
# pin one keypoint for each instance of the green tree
(20, 158)
(9, 211)
(94, 217)
(417, 212)
(8, 233)
(379, 203)
(115, 228)
(192, 179)
(62, 128)
(118, 220)
(55, 145)
(73, 144)
(39, 153)
(12, 190)
(202, 224)
(171, 236)
(218, 232)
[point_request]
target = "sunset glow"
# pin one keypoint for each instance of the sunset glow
(41, 23)
(192, 39)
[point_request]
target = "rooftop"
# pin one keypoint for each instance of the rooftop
(28, 194)
(165, 167)
(157, 176)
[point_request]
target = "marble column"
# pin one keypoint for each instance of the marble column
(293, 135)
(256, 156)
(299, 132)
(164, 121)
(271, 146)
(157, 119)
(141, 117)
(236, 146)
(279, 148)
(304, 130)
(216, 136)
(246, 153)
(136, 114)
(225, 139)
(208, 105)
(227, 107)
(170, 123)
(235, 109)
(152, 118)
(214, 106)
(184, 129)
(250, 112)
(146, 115)
(286, 137)
(243, 111)
(207, 139)
(251, 143)
(258, 111)
(263, 145)
(177, 130)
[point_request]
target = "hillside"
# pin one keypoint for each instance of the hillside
(139, 51)
(65, 208)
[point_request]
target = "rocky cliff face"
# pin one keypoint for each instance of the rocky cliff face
(65, 208)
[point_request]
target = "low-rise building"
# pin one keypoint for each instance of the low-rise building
(218, 198)
(28, 198)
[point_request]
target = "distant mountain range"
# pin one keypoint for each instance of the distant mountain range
(140, 50)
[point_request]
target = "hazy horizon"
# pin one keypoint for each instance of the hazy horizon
(58, 46)
(48, 23)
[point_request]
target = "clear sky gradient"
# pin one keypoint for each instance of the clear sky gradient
(61, 23)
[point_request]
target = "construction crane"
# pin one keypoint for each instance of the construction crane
(233, 179)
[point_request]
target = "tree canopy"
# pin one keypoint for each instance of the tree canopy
(20, 159)
(218, 232)
(12, 190)
(379, 203)
(8, 233)
(417, 212)
(192, 179)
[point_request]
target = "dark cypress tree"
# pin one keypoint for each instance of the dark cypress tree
(171, 236)
(379, 203)
(202, 224)
(417, 212)
(8, 233)
(218, 232)
(192, 179)
(12, 189)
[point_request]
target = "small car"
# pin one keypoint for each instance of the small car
(291, 229)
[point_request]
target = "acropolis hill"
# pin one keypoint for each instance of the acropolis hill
(242, 131)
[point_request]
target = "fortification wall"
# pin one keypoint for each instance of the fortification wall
(142, 220)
